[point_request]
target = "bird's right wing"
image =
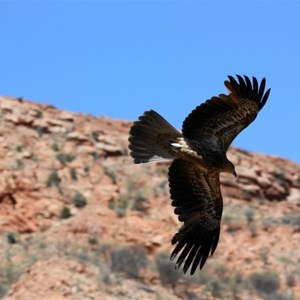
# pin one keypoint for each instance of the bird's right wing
(198, 202)
(223, 117)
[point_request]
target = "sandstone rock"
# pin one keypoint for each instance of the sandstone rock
(246, 175)
(66, 116)
(294, 196)
(113, 150)
(264, 180)
(77, 136)
(35, 187)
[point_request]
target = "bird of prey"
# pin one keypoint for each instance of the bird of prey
(199, 155)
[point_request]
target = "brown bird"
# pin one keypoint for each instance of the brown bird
(199, 155)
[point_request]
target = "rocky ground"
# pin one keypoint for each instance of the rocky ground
(80, 221)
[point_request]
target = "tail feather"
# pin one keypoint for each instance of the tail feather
(144, 135)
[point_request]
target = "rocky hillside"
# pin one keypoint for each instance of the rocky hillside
(80, 221)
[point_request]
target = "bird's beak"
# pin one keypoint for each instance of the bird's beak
(234, 173)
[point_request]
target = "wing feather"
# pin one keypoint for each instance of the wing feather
(225, 116)
(198, 203)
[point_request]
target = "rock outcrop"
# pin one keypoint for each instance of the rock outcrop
(80, 221)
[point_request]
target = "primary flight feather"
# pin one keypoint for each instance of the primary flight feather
(199, 155)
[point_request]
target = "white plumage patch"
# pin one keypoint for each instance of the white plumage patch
(182, 146)
(156, 158)
(181, 143)
(176, 145)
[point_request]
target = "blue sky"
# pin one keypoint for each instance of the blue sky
(120, 58)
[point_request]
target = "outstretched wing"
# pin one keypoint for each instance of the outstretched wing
(222, 118)
(198, 202)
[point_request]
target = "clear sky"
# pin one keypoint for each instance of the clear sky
(120, 58)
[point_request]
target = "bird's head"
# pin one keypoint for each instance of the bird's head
(229, 168)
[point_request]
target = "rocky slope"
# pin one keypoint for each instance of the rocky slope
(80, 221)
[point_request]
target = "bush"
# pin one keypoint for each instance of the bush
(38, 113)
(278, 296)
(55, 147)
(264, 255)
(250, 212)
(53, 179)
(111, 173)
(95, 156)
(235, 283)
(20, 163)
(93, 241)
(129, 260)
(253, 229)
(140, 202)
(65, 157)
(40, 130)
(65, 213)
(291, 280)
(216, 288)
(73, 174)
(293, 221)
(12, 238)
(265, 282)
(119, 207)
(228, 217)
(19, 148)
(79, 200)
(95, 135)
(166, 269)
(86, 169)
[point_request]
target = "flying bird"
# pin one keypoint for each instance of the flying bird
(199, 156)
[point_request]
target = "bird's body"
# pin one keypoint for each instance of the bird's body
(199, 155)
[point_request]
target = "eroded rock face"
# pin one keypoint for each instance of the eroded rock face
(67, 180)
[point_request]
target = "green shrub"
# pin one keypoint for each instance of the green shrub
(12, 238)
(86, 169)
(291, 280)
(120, 207)
(40, 130)
(229, 217)
(53, 179)
(111, 173)
(166, 269)
(235, 284)
(270, 222)
(216, 288)
(95, 135)
(253, 229)
(93, 241)
(265, 282)
(79, 200)
(278, 296)
(129, 260)
(65, 157)
(20, 163)
(38, 113)
(292, 220)
(250, 212)
(95, 156)
(19, 148)
(140, 201)
(286, 259)
(264, 255)
(55, 147)
(73, 174)
(65, 213)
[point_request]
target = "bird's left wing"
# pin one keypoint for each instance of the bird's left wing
(223, 117)
(198, 202)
